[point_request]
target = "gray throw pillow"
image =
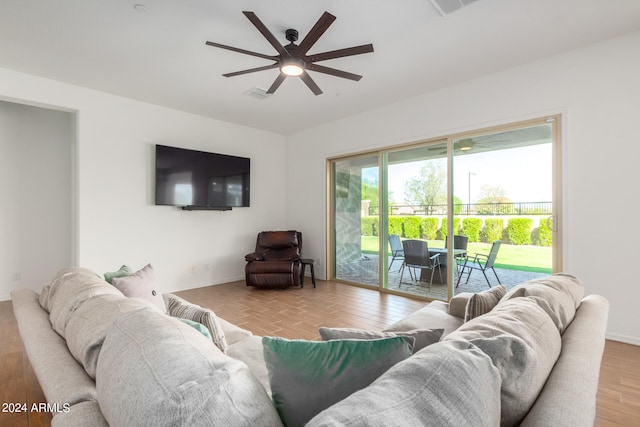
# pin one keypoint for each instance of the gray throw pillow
(483, 302)
(307, 377)
(423, 337)
(183, 309)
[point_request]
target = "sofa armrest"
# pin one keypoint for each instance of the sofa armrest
(458, 304)
(569, 395)
(62, 378)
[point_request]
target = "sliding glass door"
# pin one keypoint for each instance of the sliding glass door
(483, 205)
(355, 237)
(416, 196)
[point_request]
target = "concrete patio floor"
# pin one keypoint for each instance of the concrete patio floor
(366, 271)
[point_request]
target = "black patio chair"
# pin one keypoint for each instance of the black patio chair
(416, 256)
(459, 242)
(483, 263)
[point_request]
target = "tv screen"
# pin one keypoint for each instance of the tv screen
(199, 179)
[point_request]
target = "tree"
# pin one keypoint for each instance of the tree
(490, 197)
(370, 192)
(429, 189)
(493, 194)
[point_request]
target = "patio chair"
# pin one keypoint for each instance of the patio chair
(483, 263)
(416, 255)
(459, 242)
(396, 248)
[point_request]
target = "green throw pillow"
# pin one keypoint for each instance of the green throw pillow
(124, 271)
(307, 377)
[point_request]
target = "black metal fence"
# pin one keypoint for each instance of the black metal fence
(519, 208)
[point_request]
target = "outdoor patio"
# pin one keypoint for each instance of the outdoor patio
(366, 271)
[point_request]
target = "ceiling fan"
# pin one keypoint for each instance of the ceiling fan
(512, 138)
(292, 59)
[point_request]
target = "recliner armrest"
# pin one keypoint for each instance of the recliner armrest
(254, 256)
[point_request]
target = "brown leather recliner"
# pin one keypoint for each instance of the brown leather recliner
(276, 261)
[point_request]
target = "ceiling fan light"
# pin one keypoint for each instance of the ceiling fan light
(292, 67)
(292, 70)
(465, 144)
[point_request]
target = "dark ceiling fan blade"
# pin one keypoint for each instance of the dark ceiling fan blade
(340, 53)
(247, 52)
(266, 33)
(316, 32)
(306, 78)
(333, 72)
(252, 70)
(277, 82)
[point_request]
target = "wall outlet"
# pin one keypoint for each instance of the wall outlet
(194, 268)
(16, 277)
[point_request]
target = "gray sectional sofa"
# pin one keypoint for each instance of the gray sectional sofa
(532, 359)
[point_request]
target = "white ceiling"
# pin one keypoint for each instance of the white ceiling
(160, 56)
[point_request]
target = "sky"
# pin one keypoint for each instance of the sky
(525, 173)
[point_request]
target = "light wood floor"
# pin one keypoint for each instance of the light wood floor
(298, 313)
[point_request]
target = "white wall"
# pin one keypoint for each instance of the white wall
(117, 221)
(595, 88)
(35, 183)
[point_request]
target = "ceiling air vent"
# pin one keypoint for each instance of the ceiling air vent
(258, 93)
(446, 7)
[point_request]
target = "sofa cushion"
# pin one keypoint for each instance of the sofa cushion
(523, 343)
(141, 284)
(233, 333)
(309, 376)
(123, 271)
(49, 289)
(434, 315)
(422, 337)
(88, 326)
(68, 290)
(249, 351)
(558, 294)
(198, 327)
(178, 378)
(179, 307)
(483, 302)
(445, 384)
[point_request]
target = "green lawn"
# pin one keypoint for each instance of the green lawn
(514, 257)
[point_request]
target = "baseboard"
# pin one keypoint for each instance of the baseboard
(623, 338)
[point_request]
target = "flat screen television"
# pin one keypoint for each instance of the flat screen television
(201, 180)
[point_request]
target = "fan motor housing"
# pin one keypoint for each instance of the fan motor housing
(291, 35)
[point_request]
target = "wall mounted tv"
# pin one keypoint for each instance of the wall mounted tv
(198, 180)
